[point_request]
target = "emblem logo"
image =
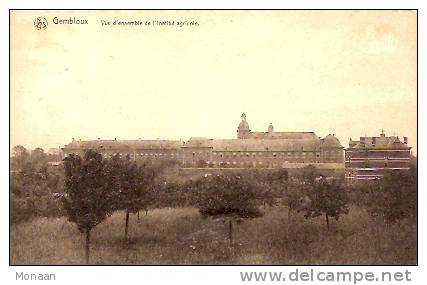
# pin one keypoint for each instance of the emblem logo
(40, 23)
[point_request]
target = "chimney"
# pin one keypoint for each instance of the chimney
(405, 140)
(382, 133)
(115, 139)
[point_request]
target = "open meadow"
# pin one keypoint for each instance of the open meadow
(183, 236)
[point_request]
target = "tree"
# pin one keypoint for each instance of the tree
(38, 158)
(33, 187)
(229, 196)
(310, 173)
(20, 157)
(294, 199)
(327, 198)
(270, 185)
(87, 200)
(129, 185)
(394, 197)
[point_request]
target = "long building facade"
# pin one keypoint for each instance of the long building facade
(370, 157)
(249, 150)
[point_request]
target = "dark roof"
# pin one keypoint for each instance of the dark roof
(243, 125)
(313, 143)
(378, 142)
(331, 141)
(131, 144)
(266, 144)
(283, 135)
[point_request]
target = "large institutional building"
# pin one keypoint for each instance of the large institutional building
(370, 157)
(250, 149)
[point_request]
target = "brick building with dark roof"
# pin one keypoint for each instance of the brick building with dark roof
(370, 157)
(250, 149)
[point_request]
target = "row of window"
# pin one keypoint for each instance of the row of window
(234, 154)
(274, 154)
(140, 154)
(243, 163)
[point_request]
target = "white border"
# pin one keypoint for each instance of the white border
(181, 274)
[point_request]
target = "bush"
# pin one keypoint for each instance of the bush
(229, 196)
(35, 193)
(327, 198)
(394, 197)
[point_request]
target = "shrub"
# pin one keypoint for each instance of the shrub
(327, 198)
(228, 196)
(394, 197)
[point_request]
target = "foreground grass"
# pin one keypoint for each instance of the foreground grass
(182, 236)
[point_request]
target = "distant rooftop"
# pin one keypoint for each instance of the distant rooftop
(112, 144)
(379, 142)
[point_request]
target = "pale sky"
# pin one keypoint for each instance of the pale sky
(348, 73)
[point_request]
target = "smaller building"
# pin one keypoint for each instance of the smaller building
(370, 157)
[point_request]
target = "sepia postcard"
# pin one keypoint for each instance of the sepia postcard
(213, 137)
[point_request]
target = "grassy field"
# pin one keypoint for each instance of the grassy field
(182, 236)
